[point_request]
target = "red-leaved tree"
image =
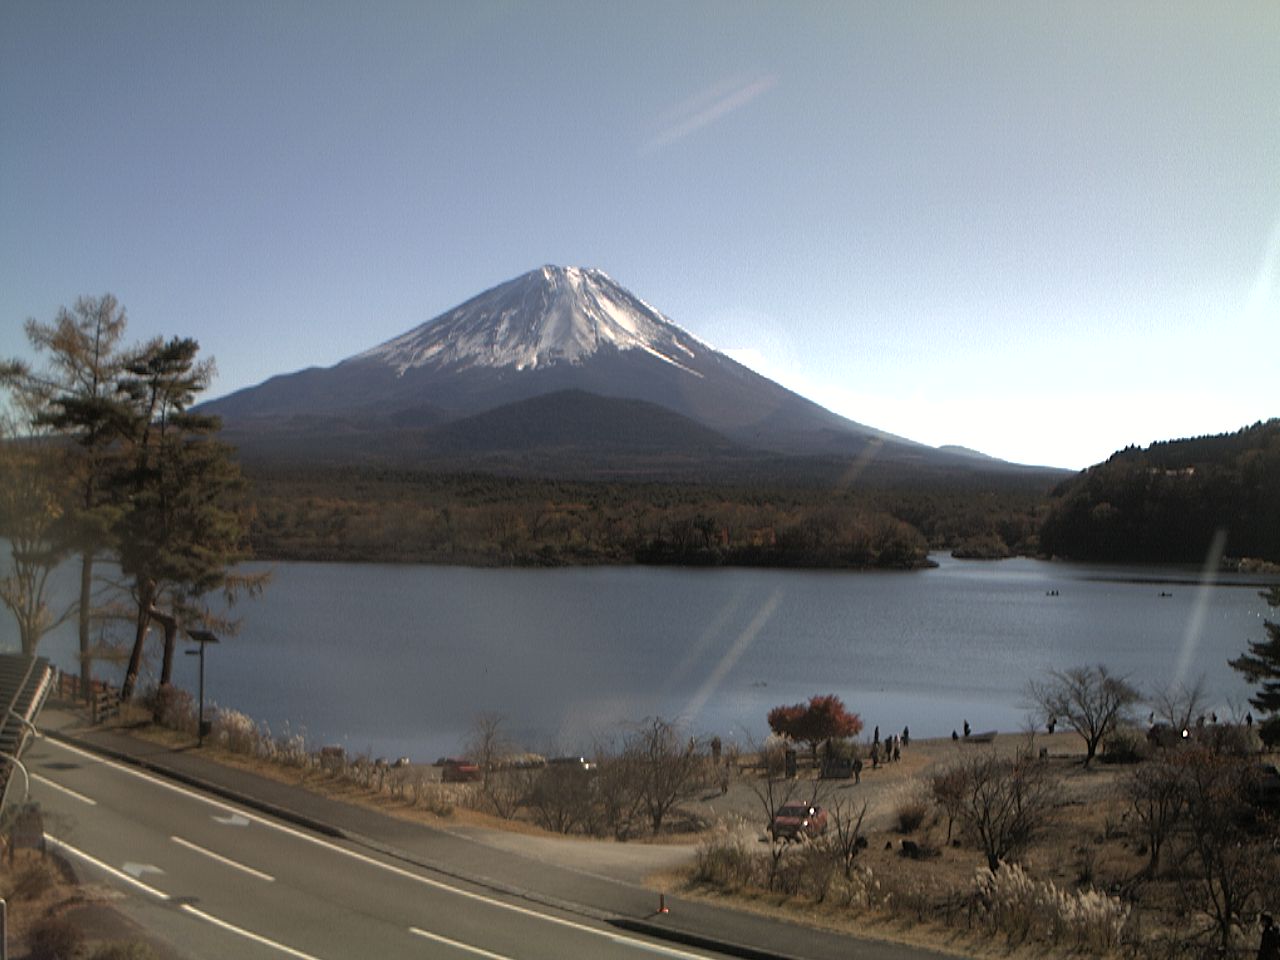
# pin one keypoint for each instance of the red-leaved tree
(822, 718)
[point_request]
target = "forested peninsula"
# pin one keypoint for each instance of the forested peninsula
(1167, 503)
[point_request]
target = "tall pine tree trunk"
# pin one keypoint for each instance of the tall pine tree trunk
(146, 597)
(170, 624)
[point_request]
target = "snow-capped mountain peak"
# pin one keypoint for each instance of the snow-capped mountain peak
(545, 317)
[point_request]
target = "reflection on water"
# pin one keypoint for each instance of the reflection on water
(399, 660)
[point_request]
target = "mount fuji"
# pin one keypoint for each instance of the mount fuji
(560, 363)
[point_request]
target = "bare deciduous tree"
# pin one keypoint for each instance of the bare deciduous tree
(1155, 794)
(1003, 803)
(560, 797)
(947, 788)
(1178, 705)
(488, 745)
(1090, 699)
(846, 831)
(33, 497)
(617, 801)
(667, 770)
(504, 789)
(1227, 864)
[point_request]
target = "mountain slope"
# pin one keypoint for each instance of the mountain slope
(568, 433)
(549, 331)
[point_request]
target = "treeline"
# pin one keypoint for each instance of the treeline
(1167, 503)
(371, 514)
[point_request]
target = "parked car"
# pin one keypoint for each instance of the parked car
(796, 821)
(457, 770)
(524, 761)
(578, 763)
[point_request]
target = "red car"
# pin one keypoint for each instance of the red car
(795, 821)
(459, 771)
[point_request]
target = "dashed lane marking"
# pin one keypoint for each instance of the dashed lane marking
(226, 861)
(185, 907)
(67, 790)
(392, 868)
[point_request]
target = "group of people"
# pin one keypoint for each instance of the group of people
(891, 749)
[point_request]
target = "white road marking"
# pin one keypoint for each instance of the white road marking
(390, 868)
(223, 860)
(457, 945)
(67, 790)
(136, 870)
(247, 934)
(106, 868)
(500, 904)
(141, 775)
(186, 907)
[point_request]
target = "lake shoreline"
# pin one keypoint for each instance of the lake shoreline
(399, 659)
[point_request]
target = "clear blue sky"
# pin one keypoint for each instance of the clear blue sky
(1042, 230)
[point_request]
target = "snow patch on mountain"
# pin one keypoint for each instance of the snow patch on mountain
(544, 317)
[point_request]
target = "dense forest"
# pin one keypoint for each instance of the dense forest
(1168, 502)
(1165, 503)
(373, 514)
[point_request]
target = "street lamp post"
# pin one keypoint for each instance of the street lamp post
(204, 638)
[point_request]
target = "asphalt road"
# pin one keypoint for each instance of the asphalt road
(217, 881)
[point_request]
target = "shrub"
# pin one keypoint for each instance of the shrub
(172, 707)
(1009, 901)
(559, 798)
(859, 888)
(809, 872)
(919, 851)
(1227, 739)
(725, 862)
(34, 879)
(434, 796)
(911, 814)
(1125, 746)
(53, 938)
(1086, 865)
(235, 731)
(504, 792)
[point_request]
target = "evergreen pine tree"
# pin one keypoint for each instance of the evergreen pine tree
(180, 534)
(1262, 663)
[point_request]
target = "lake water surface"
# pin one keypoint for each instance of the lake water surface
(398, 660)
